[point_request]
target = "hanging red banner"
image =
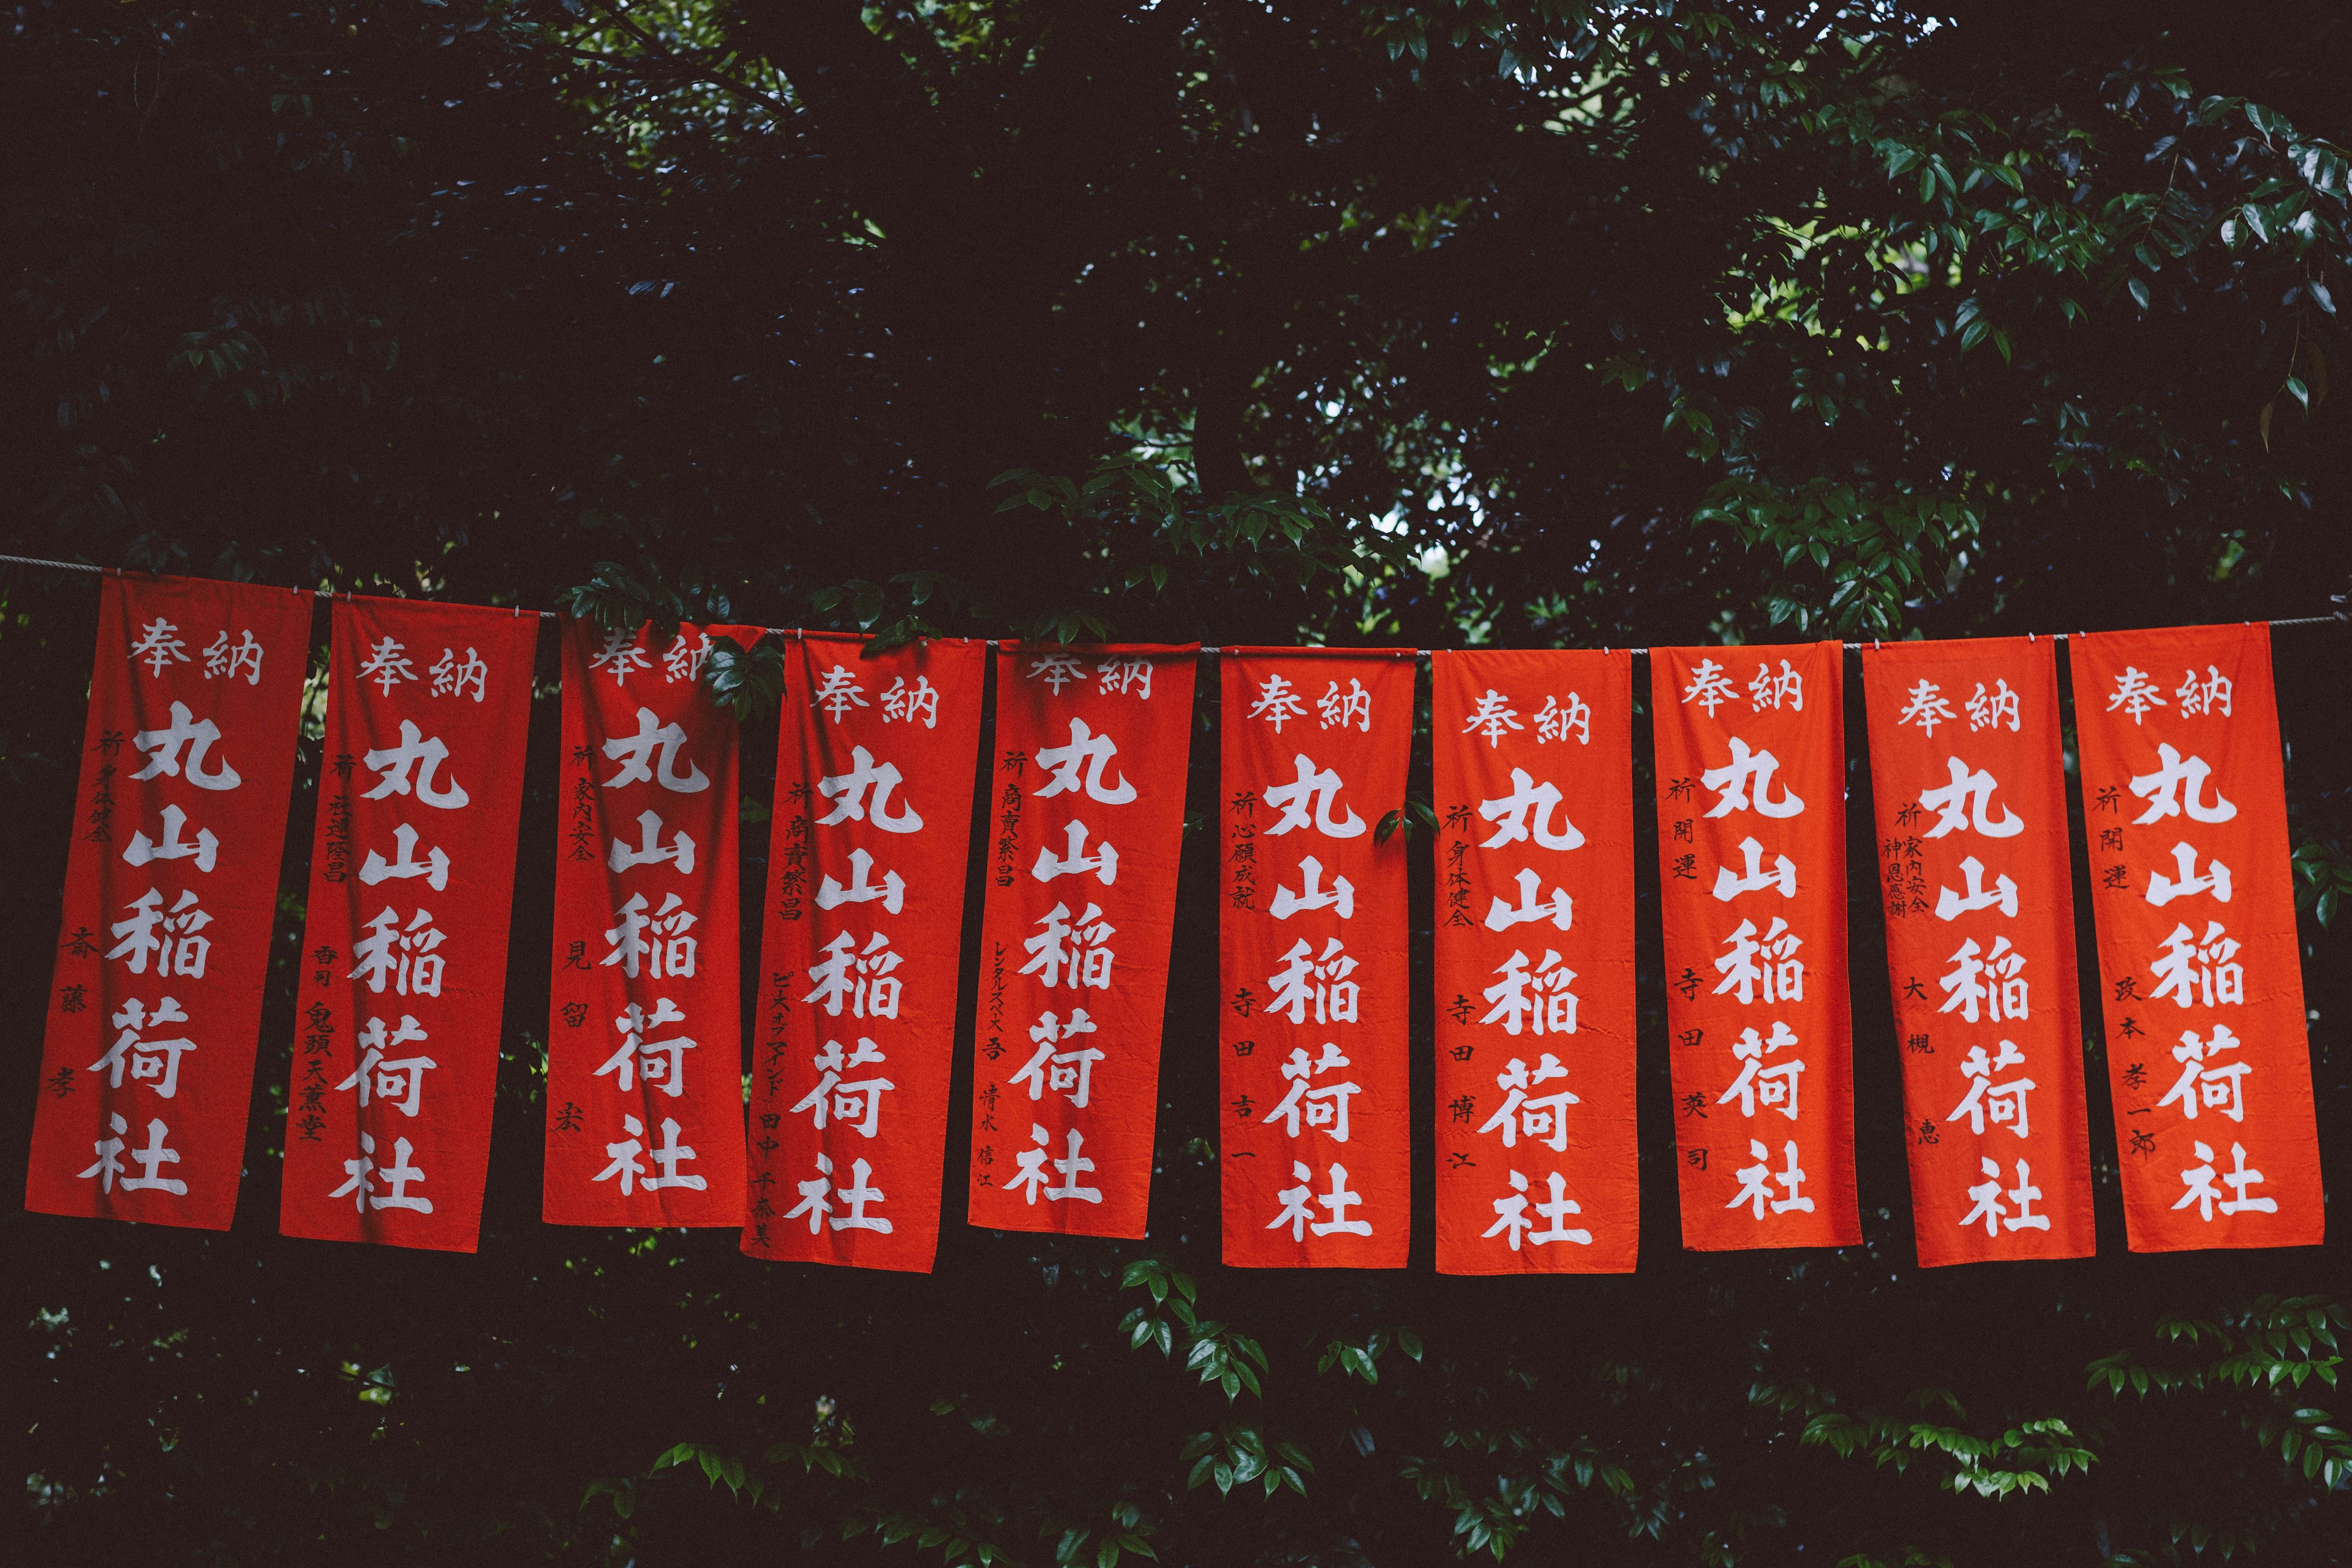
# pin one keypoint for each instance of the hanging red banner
(2200, 973)
(1751, 872)
(866, 857)
(645, 1054)
(403, 957)
(1531, 770)
(1971, 787)
(1085, 825)
(1317, 1142)
(171, 885)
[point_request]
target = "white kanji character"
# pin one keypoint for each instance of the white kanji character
(398, 1082)
(1511, 1214)
(1540, 999)
(1780, 975)
(2199, 973)
(2204, 1195)
(857, 1104)
(1554, 722)
(2165, 796)
(1075, 860)
(621, 658)
(2004, 1101)
(1321, 984)
(1526, 813)
(848, 794)
(1542, 1118)
(866, 980)
(2134, 694)
(1950, 905)
(1276, 703)
(658, 942)
(636, 756)
(162, 749)
(2203, 696)
(158, 644)
(1927, 707)
(649, 850)
(223, 658)
(424, 757)
(1493, 718)
(204, 849)
(1318, 790)
(145, 1058)
(171, 938)
(1987, 1202)
(108, 1151)
(1072, 1165)
(1709, 687)
(1339, 709)
(1120, 676)
(1312, 894)
(902, 703)
(670, 1156)
(860, 1195)
(2162, 890)
(451, 676)
(361, 1175)
(1067, 1072)
(433, 868)
(1774, 1086)
(1559, 909)
(1057, 669)
(1770, 690)
(1087, 752)
(862, 890)
(1965, 803)
(661, 1062)
(1752, 1179)
(1323, 1105)
(815, 1195)
(1985, 710)
(404, 955)
(2221, 1088)
(151, 1159)
(684, 661)
(1749, 771)
(1729, 885)
(386, 666)
(1994, 981)
(1071, 952)
(838, 692)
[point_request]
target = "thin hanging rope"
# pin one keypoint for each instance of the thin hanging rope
(2335, 620)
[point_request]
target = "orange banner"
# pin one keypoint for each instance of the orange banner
(867, 851)
(1317, 1134)
(1087, 823)
(2192, 896)
(1970, 786)
(1530, 756)
(1751, 870)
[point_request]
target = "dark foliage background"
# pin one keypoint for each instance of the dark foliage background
(1516, 321)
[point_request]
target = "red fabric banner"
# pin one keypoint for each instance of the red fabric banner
(404, 959)
(1971, 787)
(1751, 871)
(645, 1054)
(1531, 768)
(1317, 1146)
(866, 858)
(1085, 825)
(2192, 896)
(171, 885)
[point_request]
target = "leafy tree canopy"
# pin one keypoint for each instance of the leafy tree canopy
(1511, 322)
